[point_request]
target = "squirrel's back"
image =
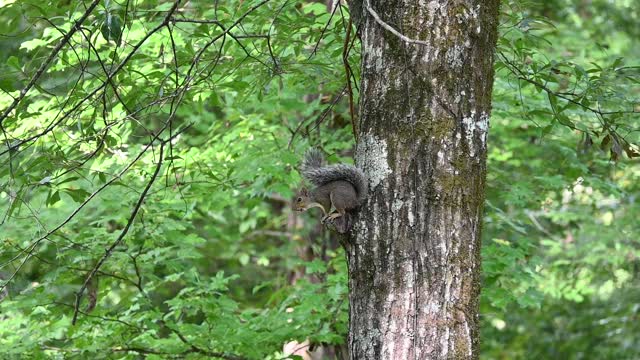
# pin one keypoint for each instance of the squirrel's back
(316, 172)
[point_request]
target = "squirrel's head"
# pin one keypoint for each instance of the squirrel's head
(302, 200)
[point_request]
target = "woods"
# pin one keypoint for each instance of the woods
(151, 152)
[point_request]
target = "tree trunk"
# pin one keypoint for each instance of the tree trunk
(414, 253)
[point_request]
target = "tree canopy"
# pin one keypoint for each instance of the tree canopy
(149, 150)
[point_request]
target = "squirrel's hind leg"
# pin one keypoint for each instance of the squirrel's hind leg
(334, 215)
(333, 212)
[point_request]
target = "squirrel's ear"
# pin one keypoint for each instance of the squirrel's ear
(304, 192)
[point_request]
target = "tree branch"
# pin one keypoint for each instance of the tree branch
(522, 76)
(124, 232)
(196, 349)
(121, 65)
(395, 32)
(48, 61)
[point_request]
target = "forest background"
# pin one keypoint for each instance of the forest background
(190, 119)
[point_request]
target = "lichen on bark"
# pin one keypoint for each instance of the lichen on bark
(414, 254)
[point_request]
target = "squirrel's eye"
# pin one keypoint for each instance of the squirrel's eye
(299, 199)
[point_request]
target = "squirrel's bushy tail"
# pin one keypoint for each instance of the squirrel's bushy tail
(315, 171)
(313, 159)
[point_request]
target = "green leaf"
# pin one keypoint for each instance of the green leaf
(53, 198)
(112, 28)
(78, 195)
(13, 62)
(244, 259)
(69, 179)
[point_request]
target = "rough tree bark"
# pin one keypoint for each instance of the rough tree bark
(414, 252)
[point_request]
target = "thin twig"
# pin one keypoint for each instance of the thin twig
(233, 36)
(315, 48)
(48, 61)
(225, 32)
(121, 65)
(347, 70)
(390, 28)
(124, 232)
(106, 72)
(29, 250)
(520, 75)
(324, 114)
(196, 349)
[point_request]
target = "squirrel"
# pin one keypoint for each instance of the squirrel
(338, 188)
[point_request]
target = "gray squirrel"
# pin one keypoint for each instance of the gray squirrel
(338, 188)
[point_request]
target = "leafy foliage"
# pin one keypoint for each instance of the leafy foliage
(150, 164)
(560, 255)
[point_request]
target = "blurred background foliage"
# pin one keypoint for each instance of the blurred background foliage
(215, 263)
